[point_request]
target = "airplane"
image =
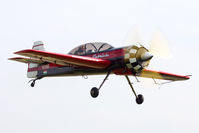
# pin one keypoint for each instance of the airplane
(96, 58)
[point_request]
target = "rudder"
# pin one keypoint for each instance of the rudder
(33, 67)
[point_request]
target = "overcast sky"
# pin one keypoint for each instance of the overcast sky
(64, 104)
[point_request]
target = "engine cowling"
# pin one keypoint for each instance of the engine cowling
(136, 58)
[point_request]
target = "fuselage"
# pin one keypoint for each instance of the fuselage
(133, 58)
(114, 55)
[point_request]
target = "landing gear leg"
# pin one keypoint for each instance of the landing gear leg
(33, 81)
(95, 91)
(139, 98)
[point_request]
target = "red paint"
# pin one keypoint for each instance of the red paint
(37, 45)
(111, 54)
(51, 65)
(122, 71)
(71, 59)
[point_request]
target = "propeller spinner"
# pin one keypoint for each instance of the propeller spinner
(137, 57)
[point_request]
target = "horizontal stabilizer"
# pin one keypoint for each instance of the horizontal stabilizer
(26, 60)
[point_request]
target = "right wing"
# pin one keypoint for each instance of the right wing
(162, 75)
(65, 59)
(154, 75)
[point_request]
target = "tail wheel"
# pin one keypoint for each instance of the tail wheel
(94, 92)
(32, 84)
(33, 81)
(139, 99)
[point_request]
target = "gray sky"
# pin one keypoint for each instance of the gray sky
(64, 104)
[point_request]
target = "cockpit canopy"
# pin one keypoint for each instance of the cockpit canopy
(90, 48)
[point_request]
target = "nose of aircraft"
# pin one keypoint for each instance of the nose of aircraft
(146, 56)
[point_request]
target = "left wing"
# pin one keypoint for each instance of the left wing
(64, 59)
(155, 75)
(26, 60)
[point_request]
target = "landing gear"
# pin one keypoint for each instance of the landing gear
(139, 98)
(95, 91)
(32, 84)
(33, 81)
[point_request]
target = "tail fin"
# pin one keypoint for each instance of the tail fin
(33, 67)
(38, 45)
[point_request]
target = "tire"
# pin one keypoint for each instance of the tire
(32, 84)
(139, 99)
(94, 92)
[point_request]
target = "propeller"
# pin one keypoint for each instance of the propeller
(133, 37)
(158, 46)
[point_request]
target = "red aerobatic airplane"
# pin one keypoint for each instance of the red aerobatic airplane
(92, 59)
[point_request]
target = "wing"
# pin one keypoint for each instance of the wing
(26, 60)
(162, 75)
(155, 75)
(64, 59)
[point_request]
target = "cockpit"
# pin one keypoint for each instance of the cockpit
(90, 48)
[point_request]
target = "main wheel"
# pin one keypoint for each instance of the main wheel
(139, 99)
(94, 92)
(32, 84)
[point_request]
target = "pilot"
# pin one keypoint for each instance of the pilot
(81, 50)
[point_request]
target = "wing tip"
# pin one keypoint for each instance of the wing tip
(14, 58)
(187, 77)
(166, 75)
(18, 52)
(23, 51)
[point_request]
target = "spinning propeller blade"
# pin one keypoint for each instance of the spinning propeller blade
(159, 46)
(133, 37)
